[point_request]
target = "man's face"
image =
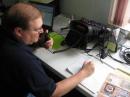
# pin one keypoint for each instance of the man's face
(31, 35)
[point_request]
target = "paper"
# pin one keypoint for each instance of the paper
(115, 86)
(95, 81)
(77, 65)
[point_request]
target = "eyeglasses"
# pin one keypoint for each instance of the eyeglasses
(40, 30)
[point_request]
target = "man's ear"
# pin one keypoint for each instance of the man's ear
(18, 31)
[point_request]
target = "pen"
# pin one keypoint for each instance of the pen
(123, 71)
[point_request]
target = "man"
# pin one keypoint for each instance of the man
(21, 71)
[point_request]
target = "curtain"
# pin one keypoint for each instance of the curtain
(120, 12)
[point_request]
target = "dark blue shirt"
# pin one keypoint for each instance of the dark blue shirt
(21, 72)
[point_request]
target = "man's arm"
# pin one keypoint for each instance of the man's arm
(66, 85)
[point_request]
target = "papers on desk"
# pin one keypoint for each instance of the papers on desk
(95, 81)
(115, 86)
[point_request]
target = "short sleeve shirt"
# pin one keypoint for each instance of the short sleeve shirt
(22, 72)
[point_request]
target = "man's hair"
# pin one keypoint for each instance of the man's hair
(19, 15)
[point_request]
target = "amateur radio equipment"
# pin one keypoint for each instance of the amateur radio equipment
(83, 31)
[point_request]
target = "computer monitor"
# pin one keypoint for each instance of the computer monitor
(48, 12)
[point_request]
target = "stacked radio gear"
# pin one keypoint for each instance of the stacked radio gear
(83, 31)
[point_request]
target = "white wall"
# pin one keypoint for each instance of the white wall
(92, 9)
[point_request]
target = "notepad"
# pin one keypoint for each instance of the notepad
(95, 81)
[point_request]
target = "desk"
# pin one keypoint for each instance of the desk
(59, 62)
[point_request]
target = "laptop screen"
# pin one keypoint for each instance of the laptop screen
(48, 12)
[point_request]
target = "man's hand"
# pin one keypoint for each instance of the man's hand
(48, 44)
(88, 68)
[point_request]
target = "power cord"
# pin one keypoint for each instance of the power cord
(116, 59)
(123, 53)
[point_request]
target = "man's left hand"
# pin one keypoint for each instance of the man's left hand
(48, 44)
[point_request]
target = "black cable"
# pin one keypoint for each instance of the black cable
(116, 59)
(122, 54)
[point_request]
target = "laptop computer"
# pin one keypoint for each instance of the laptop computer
(48, 12)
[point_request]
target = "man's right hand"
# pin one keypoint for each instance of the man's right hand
(88, 67)
(66, 85)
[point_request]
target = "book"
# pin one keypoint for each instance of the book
(115, 86)
(94, 81)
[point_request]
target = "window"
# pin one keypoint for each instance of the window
(120, 14)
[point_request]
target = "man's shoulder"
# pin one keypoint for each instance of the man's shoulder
(15, 50)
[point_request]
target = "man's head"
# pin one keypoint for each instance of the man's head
(24, 21)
